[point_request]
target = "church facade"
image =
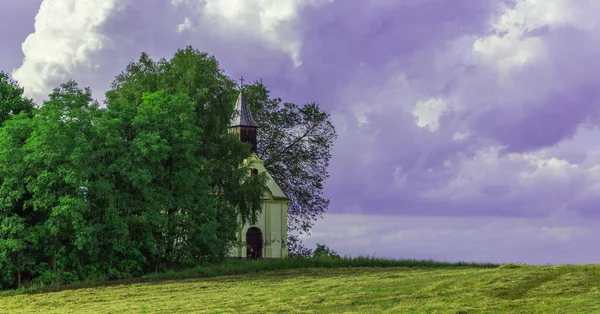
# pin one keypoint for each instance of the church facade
(268, 237)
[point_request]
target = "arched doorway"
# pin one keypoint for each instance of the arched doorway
(254, 240)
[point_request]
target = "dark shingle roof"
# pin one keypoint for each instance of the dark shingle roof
(243, 115)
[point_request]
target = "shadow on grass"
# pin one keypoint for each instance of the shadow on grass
(516, 289)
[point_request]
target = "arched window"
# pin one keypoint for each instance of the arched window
(254, 172)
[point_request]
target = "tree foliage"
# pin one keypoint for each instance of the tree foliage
(323, 250)
(198, 76)
(43, 162)
(151, 182)
(12, 101)
(295, 142)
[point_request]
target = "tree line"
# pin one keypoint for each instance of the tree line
(151, 181)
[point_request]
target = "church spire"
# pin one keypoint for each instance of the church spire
(243, 122)
(243, 114)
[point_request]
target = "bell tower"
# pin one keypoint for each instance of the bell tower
(243, 123)
(267, 237)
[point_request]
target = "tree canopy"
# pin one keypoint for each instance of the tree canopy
(153, 180)
(295, 143)
(12, 101)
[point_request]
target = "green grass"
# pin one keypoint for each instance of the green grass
(365, 285)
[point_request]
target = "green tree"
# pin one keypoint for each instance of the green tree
(295, 143)
(198, 77)
(152, 182)
(15, 237)
(57, 157)
(12, 101)
(171, 179)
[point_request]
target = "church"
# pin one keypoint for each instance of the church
(268, 237)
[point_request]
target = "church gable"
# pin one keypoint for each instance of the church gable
(275, 191)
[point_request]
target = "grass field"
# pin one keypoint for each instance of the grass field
(333, 288)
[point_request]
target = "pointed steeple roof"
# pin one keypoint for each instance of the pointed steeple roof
(243, 115)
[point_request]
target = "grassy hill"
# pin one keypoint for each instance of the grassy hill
(324, 286)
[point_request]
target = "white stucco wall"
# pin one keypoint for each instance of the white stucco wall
(276, 235)
(272, 221)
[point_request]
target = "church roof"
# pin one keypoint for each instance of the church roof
(243, 115)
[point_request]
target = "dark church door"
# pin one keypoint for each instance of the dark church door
(254, 240)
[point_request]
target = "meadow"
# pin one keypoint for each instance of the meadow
(324, 285)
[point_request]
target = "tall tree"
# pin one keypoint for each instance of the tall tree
(155, 180)
(295, 143)
(198, 77)
(15, 216)
(172, 180)
(44, 219)
(15, 237)
(58, 156)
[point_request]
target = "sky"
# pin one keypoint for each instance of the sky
(468, 130)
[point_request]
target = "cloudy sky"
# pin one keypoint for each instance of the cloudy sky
(468, 129)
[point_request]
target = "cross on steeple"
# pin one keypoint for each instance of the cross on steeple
(242, 82)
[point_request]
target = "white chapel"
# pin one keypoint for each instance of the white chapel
(268, 237)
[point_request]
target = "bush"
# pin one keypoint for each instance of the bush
(323, 250)
(46, 278)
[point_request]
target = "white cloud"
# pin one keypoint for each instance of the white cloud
(186, 25)
(523, 89)
(265, 18)
(549, 181)
(428, 113)
(479, 239)
(515, 42)
(459, 136)
(65, 36)
(563, 234)
(75, 39)
(509, 50)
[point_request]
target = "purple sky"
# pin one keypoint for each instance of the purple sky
(468, 130)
